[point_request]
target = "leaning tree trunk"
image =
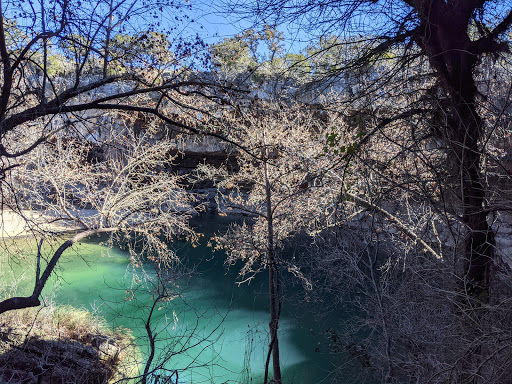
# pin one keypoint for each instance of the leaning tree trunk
(41, 278)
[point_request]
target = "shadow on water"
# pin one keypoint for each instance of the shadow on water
(211, 330)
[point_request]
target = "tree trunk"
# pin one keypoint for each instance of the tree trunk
(274, 320)
(14, 303)
(107, 40)
(273, 290)
(444, 38)
(479, 245)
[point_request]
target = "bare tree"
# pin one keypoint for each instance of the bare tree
(448, 40)
(428, 110)
(60, 59)
(171, 347)
(80, 84)
(130, 193)
(281, 190)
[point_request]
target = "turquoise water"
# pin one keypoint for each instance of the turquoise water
(212, 331)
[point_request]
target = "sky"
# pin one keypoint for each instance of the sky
(211, 20)
(218, 24)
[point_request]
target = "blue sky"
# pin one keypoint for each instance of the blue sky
(217, 25)
(211, 20)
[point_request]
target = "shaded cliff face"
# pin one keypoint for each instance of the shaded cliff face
(187, 161)
(191, 150)
(205, 190)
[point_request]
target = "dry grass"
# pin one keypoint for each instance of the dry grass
(61, 344)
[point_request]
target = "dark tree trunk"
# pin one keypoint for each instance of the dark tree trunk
(273, 288)
(479, 247)
(107, 40)
(14, 303)
(274, 320)
(443, 36)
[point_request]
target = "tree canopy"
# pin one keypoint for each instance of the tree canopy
(384, 142)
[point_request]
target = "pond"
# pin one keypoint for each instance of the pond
(211, 331)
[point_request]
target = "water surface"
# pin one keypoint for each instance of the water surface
(212, 331)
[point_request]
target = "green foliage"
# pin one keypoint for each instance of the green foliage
(332, 55)
(75, 47)
(56, 65)
(145, 49)
(333, 143)
(14, 37)
(297, 62)
(233, 54)
(253, 51)
(327, 55)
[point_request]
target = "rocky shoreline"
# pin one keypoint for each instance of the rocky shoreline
(31, 223)
(64, 345)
